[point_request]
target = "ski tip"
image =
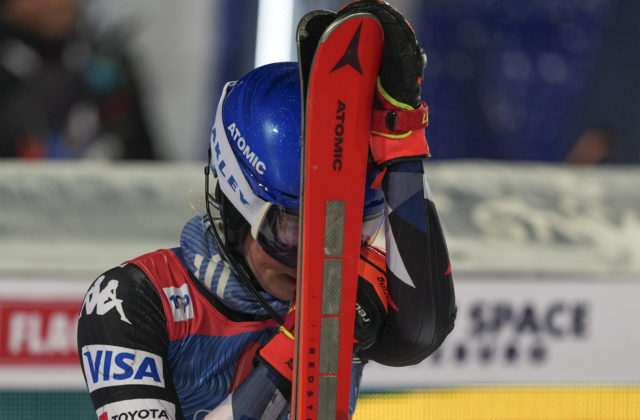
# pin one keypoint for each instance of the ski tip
(337, 22)
(314, 21)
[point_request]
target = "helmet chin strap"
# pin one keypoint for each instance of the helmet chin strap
(227, 250)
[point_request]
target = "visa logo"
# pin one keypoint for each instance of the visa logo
(113, 365)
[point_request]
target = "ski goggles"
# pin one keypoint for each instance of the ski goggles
(277, 232)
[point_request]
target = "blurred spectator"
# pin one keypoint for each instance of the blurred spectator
(506, 78)
(64, 93)
(592, 147)
(611, 95)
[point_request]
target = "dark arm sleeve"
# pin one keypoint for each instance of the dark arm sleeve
(423, 308)
(123, 345)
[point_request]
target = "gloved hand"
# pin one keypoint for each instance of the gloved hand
(399, 116)
(372, 301)
(371, 314)
(278, 353)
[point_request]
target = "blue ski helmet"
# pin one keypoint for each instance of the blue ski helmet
(262, 114)
(255, 154)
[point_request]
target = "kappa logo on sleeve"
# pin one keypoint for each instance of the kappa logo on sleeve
(103, 300)
(113, 365)
(180, 301)
(137, 409)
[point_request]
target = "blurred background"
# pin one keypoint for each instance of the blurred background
(105, 112)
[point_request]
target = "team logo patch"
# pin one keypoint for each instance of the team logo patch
(102, 300)
(113, 365)
(137, 409)
(180, 302)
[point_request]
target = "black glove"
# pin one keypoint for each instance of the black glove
(372, 300)
(399, 116)
(371, 315)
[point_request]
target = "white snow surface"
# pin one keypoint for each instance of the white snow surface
(499, 218)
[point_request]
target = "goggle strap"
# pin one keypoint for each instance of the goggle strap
(255, 228)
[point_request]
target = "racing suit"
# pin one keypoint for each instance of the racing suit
(173, 333)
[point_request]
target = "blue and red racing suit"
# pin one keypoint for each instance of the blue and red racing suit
(157, 342)
(172, 334)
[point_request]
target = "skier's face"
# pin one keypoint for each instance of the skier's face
(275, 278)
(277, 235)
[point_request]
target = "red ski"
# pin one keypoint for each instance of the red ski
(337, 118)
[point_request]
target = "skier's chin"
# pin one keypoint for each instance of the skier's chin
(283, 286)
(275, 278)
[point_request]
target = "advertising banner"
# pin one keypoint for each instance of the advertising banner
(532, 331)
(508, 331)
(38, 320)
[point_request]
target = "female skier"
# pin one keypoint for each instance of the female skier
(204, 330)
